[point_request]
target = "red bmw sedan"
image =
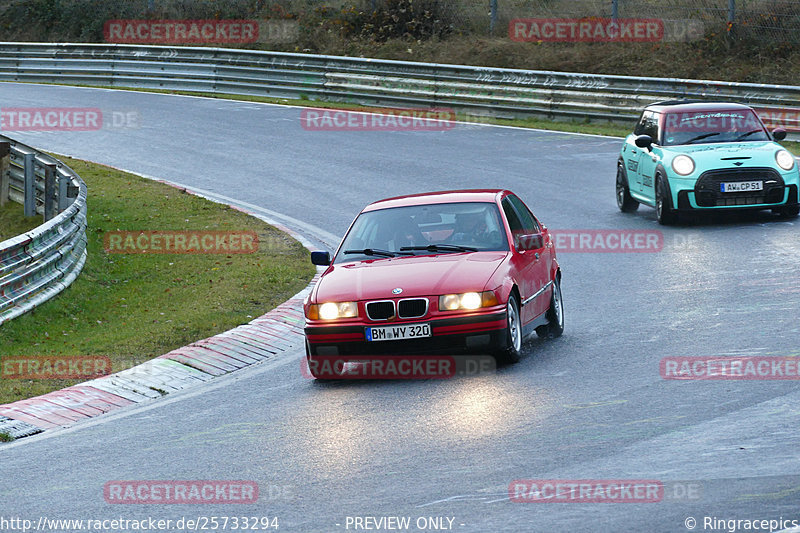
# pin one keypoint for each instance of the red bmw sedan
(452, 272)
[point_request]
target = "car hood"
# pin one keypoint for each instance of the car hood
(417, 276)
(752, 154)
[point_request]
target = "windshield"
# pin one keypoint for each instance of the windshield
(700, 127)
(475, 226)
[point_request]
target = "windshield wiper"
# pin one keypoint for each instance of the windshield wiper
(441, 248)
(703, 136)
(743, 135)
(375, 251)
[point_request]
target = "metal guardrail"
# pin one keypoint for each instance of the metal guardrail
(37, 265)
(479, 91)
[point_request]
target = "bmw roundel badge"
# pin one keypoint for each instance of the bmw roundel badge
(398, 290)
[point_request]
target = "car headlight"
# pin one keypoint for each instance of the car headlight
(333, 310)
(784, 159)
(468, 301)
(683, 165)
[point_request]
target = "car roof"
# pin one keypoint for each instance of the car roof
(440, 197)
(694, 105)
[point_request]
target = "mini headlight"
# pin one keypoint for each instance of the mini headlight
(467, 301)
(333, 310)
(683, 165)
(784, 159)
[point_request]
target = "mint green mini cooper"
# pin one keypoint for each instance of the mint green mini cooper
(701, 156)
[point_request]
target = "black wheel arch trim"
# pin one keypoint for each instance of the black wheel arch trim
(660, 170)
(621, 166)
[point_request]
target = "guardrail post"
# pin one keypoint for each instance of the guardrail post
(615, 10)
(29, 187)
(63, 184)
(49, 191)
(492, 15)
(5, 179)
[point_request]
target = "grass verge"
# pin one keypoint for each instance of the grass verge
(133, 307)
(13, 223)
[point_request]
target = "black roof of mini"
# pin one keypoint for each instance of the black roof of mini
(695, 105)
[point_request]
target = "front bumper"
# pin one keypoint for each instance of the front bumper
(473, 333)
(704, 193)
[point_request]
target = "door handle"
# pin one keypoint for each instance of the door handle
(633, 151)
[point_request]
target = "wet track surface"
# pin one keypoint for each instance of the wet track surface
(589, 405)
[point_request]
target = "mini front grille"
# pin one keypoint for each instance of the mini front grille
(381, 310)
(708, 192)
(412, 308)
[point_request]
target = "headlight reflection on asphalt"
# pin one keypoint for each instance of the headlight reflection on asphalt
(484, 408)
(359, 423)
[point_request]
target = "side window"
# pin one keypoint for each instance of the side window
(648, 125)
(640, 126)
(651, 127)
(513, 220)
(529, 224)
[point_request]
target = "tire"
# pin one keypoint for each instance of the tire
(664, 212)
(555, 315)
(625, 203)
(512, 351)
(790, 211)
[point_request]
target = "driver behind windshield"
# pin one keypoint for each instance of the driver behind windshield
(471, 229)
(712, 127)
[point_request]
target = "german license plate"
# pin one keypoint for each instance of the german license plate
(395, 333)
(741, 186)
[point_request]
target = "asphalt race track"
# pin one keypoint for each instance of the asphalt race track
(589, 405)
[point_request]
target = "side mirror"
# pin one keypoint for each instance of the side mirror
(533, 241)
(321, 258)
(644, 141)
(779, 134)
